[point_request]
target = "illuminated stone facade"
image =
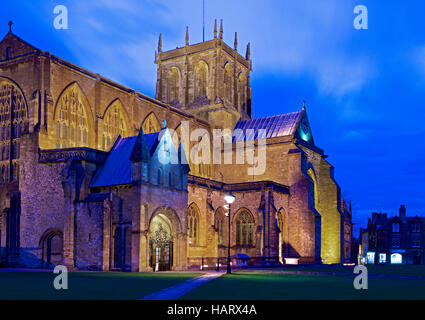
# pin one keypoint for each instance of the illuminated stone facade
(71, 126)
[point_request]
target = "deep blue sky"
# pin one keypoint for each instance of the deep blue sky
(365, 89)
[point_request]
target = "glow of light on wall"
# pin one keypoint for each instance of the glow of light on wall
(291, 260)
(371, 257)
(382, 258)
(396, 258)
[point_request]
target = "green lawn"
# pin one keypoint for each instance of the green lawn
(249, 286)
(86, 285)
(413, 270)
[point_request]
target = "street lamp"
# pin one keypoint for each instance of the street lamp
(229, 198)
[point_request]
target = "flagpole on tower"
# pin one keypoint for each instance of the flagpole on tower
(203, 20)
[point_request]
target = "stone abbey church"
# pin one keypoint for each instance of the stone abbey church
(82, 183)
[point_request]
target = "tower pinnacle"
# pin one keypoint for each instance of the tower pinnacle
(221, 29)
(187, 36)
(159, 43)
(10, 25)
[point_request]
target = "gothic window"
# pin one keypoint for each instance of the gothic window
(114, 124)
(13, 124)
(151, 124)
(281, 224)
(173, 85)
(71, 119)
(201, 73)
(244, 228)
(228, 82)
(193, 224)
(242, 93)
(312, 175)
(8, 53)
(201, 156)
(220, 225)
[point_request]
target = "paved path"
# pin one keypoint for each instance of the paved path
(180, 289)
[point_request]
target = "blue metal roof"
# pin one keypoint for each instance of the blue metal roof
(275, 126)
(117, 168)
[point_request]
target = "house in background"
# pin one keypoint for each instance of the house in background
(394, 240)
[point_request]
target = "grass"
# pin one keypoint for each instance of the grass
(412, 270)
(86, 285)
(269, 286)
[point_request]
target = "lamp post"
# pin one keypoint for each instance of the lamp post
(229, 198)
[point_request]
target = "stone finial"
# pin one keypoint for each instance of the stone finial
(10, 25)
(159, 43)
(187, 36)
(215, 29)
(236, 41)
(221, 29)
(248, 51)
(303, 104)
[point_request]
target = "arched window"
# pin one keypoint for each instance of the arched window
(193, 224)
(244, 228)
(114, 124)
(51, 244)
(151, 124)
(13, 124)
(228, 82)
(200, 158)
(201, 73)
(173, 85)
(220, 225)
(312, 175)
(72, 127)
(242, 93)
(282, 225)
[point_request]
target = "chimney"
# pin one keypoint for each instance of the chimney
(402, 211)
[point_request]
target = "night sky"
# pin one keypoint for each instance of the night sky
(364, 89)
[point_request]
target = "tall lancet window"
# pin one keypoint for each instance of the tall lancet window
(242, 93)
(228, 82)
(201, 74)
(173, 81)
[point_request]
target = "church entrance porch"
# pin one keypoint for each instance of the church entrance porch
(161, 249)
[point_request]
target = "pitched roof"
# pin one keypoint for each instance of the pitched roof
(117, 168)
(275, 126)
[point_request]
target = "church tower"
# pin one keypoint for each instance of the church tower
(210, 80)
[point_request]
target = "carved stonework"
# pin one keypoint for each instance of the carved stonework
(77, 154)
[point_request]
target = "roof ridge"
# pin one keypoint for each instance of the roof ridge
(272, 116)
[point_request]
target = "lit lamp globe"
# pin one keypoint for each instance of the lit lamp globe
(229, 198)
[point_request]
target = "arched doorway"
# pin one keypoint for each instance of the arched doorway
(161, 243)
(51, 244)
(122, 248)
